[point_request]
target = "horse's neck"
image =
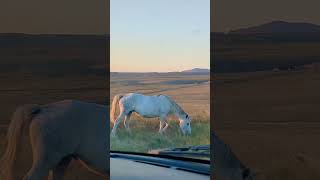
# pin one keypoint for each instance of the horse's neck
(176, 109)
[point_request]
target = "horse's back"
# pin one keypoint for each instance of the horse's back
(147, 106)
(71, 122)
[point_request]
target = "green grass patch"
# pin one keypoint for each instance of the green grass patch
(144, 139)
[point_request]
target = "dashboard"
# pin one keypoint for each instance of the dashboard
(138, 167)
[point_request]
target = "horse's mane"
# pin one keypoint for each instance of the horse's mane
(177, 107)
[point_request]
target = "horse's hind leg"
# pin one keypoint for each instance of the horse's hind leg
(117, 122)
(126, 123)
(38, 172)
(57, 173)
(42, 165)
(44, 155)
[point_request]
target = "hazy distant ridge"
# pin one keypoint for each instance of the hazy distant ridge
(280, 27)
(197, 70)
(275, 45)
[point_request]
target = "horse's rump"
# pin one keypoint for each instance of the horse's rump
(20, 120)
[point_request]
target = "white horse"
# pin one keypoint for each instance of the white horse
(148, 107)
(59, 132)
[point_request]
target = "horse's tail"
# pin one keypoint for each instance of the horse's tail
(21, 118)
(114, 106)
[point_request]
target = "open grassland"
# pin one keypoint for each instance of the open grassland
(142, 140)
(191, 92)
(271, 121)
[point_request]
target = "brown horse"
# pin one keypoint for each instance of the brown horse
(59, 132)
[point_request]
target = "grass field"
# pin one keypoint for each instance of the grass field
(192, 92)
(271, 121)
(141, 140)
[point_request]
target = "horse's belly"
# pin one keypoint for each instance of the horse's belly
(148, 111)
(149, 115)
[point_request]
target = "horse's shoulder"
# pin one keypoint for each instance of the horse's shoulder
(163, 96)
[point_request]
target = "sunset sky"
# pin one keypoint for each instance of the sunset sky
(151, 35)
(159, 35)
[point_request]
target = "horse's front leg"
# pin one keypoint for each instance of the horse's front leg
(160, 127)
(166, 126)
(163, 120)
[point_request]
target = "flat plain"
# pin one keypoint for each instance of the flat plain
(190, 91)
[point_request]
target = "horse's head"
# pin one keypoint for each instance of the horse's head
(185, 125)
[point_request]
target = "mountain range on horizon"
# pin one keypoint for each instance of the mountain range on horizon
(197, 70)
(273, 45)
(193, 70)
(278, 27)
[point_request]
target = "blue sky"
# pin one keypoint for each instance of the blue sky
(159, 35)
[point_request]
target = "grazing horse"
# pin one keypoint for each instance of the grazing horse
(148, 107)
(226, 166)
(59, 132)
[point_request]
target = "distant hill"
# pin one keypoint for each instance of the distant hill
(275, 45)
(197, 70)
(279, 27)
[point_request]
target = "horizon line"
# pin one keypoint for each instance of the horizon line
(21, 33)
(156, 71)
(153, 72)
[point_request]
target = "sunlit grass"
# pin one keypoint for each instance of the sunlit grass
(144, 138)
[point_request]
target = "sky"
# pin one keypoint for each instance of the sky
(54, 16)
(159, 35)
(233, 14)
(151, 35)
